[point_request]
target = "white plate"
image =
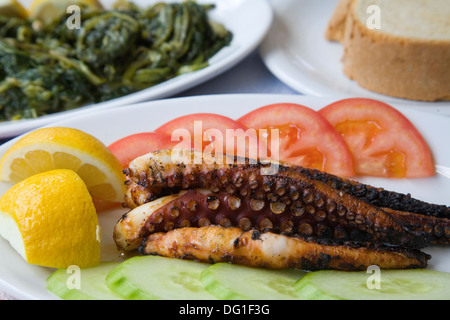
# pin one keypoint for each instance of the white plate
(249, 20)
(296, 51)
(27, 281)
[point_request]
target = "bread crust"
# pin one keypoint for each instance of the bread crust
(336, 26)
(409, 68)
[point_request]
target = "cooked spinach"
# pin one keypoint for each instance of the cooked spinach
(51, 68)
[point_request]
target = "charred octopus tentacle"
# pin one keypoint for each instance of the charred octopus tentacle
(378, 196)
(308, 202)
(307, 214)
(268, 250)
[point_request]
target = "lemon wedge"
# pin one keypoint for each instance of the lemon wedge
(48, 10)
(50, 220)
(66, 148)
(12, 8)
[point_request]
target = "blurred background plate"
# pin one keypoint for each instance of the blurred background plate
(296, 51)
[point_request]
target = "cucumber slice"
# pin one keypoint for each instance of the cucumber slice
(92, 283)
(158, 278)
(235, 282)
(394, 285)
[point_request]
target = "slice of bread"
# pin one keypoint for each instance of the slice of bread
(405, 55)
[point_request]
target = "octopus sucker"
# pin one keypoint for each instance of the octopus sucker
(167, 194)
(274, 251)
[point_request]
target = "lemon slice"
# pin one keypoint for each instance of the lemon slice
(51, 221)
(48, 10)
(12, 8)
(66, 148)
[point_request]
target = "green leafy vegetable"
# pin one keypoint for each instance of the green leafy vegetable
(51, 68)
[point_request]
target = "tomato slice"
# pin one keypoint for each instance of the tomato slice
(383, 141)
(305, 138)
(212, 133)
(136, 145)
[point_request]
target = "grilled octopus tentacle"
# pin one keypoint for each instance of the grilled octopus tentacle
(251, 248)
(378, 196)
(158, 174)
(306, 213)
(157, 185)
